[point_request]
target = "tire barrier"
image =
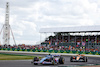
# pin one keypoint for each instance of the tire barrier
(13, 49)
(56, 51)
(18, 49)
(61, 51)
(99, 53)
(86, 52)
(8, 49)
(93, 53)
(50, 51)
(80, 52)
(74, 52)
(67, 51)
(44, 50)
(23, 49)
(33, 50)
(4, 48)
(28, 50)
(38, 50)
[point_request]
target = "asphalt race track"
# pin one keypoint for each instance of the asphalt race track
(27, 63)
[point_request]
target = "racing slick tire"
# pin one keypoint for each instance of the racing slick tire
(36, 59)
(35, 63)
(71, 59)
(53, 61)
(61, 60)
(85, 59)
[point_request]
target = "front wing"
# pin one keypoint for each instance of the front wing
(43, 62)
(80, 60)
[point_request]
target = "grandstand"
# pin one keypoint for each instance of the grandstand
(80, 36)
(81, 39)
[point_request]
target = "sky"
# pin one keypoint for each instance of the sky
(27, 17)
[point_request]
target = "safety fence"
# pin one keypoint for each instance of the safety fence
(51, 51)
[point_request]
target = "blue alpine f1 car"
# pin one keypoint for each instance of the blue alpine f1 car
(49, 59)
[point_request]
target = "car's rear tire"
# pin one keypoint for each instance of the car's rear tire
(71, 59)
(61, 60)
(83, 59)
(35, 59)
(35, 63)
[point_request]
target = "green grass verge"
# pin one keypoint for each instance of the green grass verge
(14, 57)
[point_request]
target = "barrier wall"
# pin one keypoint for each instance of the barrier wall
(51, 51)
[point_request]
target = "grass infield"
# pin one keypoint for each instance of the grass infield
(14, 57)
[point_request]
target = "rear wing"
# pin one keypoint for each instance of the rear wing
(81, 55)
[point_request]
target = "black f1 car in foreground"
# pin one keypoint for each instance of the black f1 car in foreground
(78, 58)
(49, 59)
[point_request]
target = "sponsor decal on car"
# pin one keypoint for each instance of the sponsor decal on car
(46, 63)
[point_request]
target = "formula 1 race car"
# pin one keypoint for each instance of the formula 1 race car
(49, 59)
(78, 58)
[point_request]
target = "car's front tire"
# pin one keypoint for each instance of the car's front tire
(61, 60)
(71, 59)
(85, 59)
(53, 61)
